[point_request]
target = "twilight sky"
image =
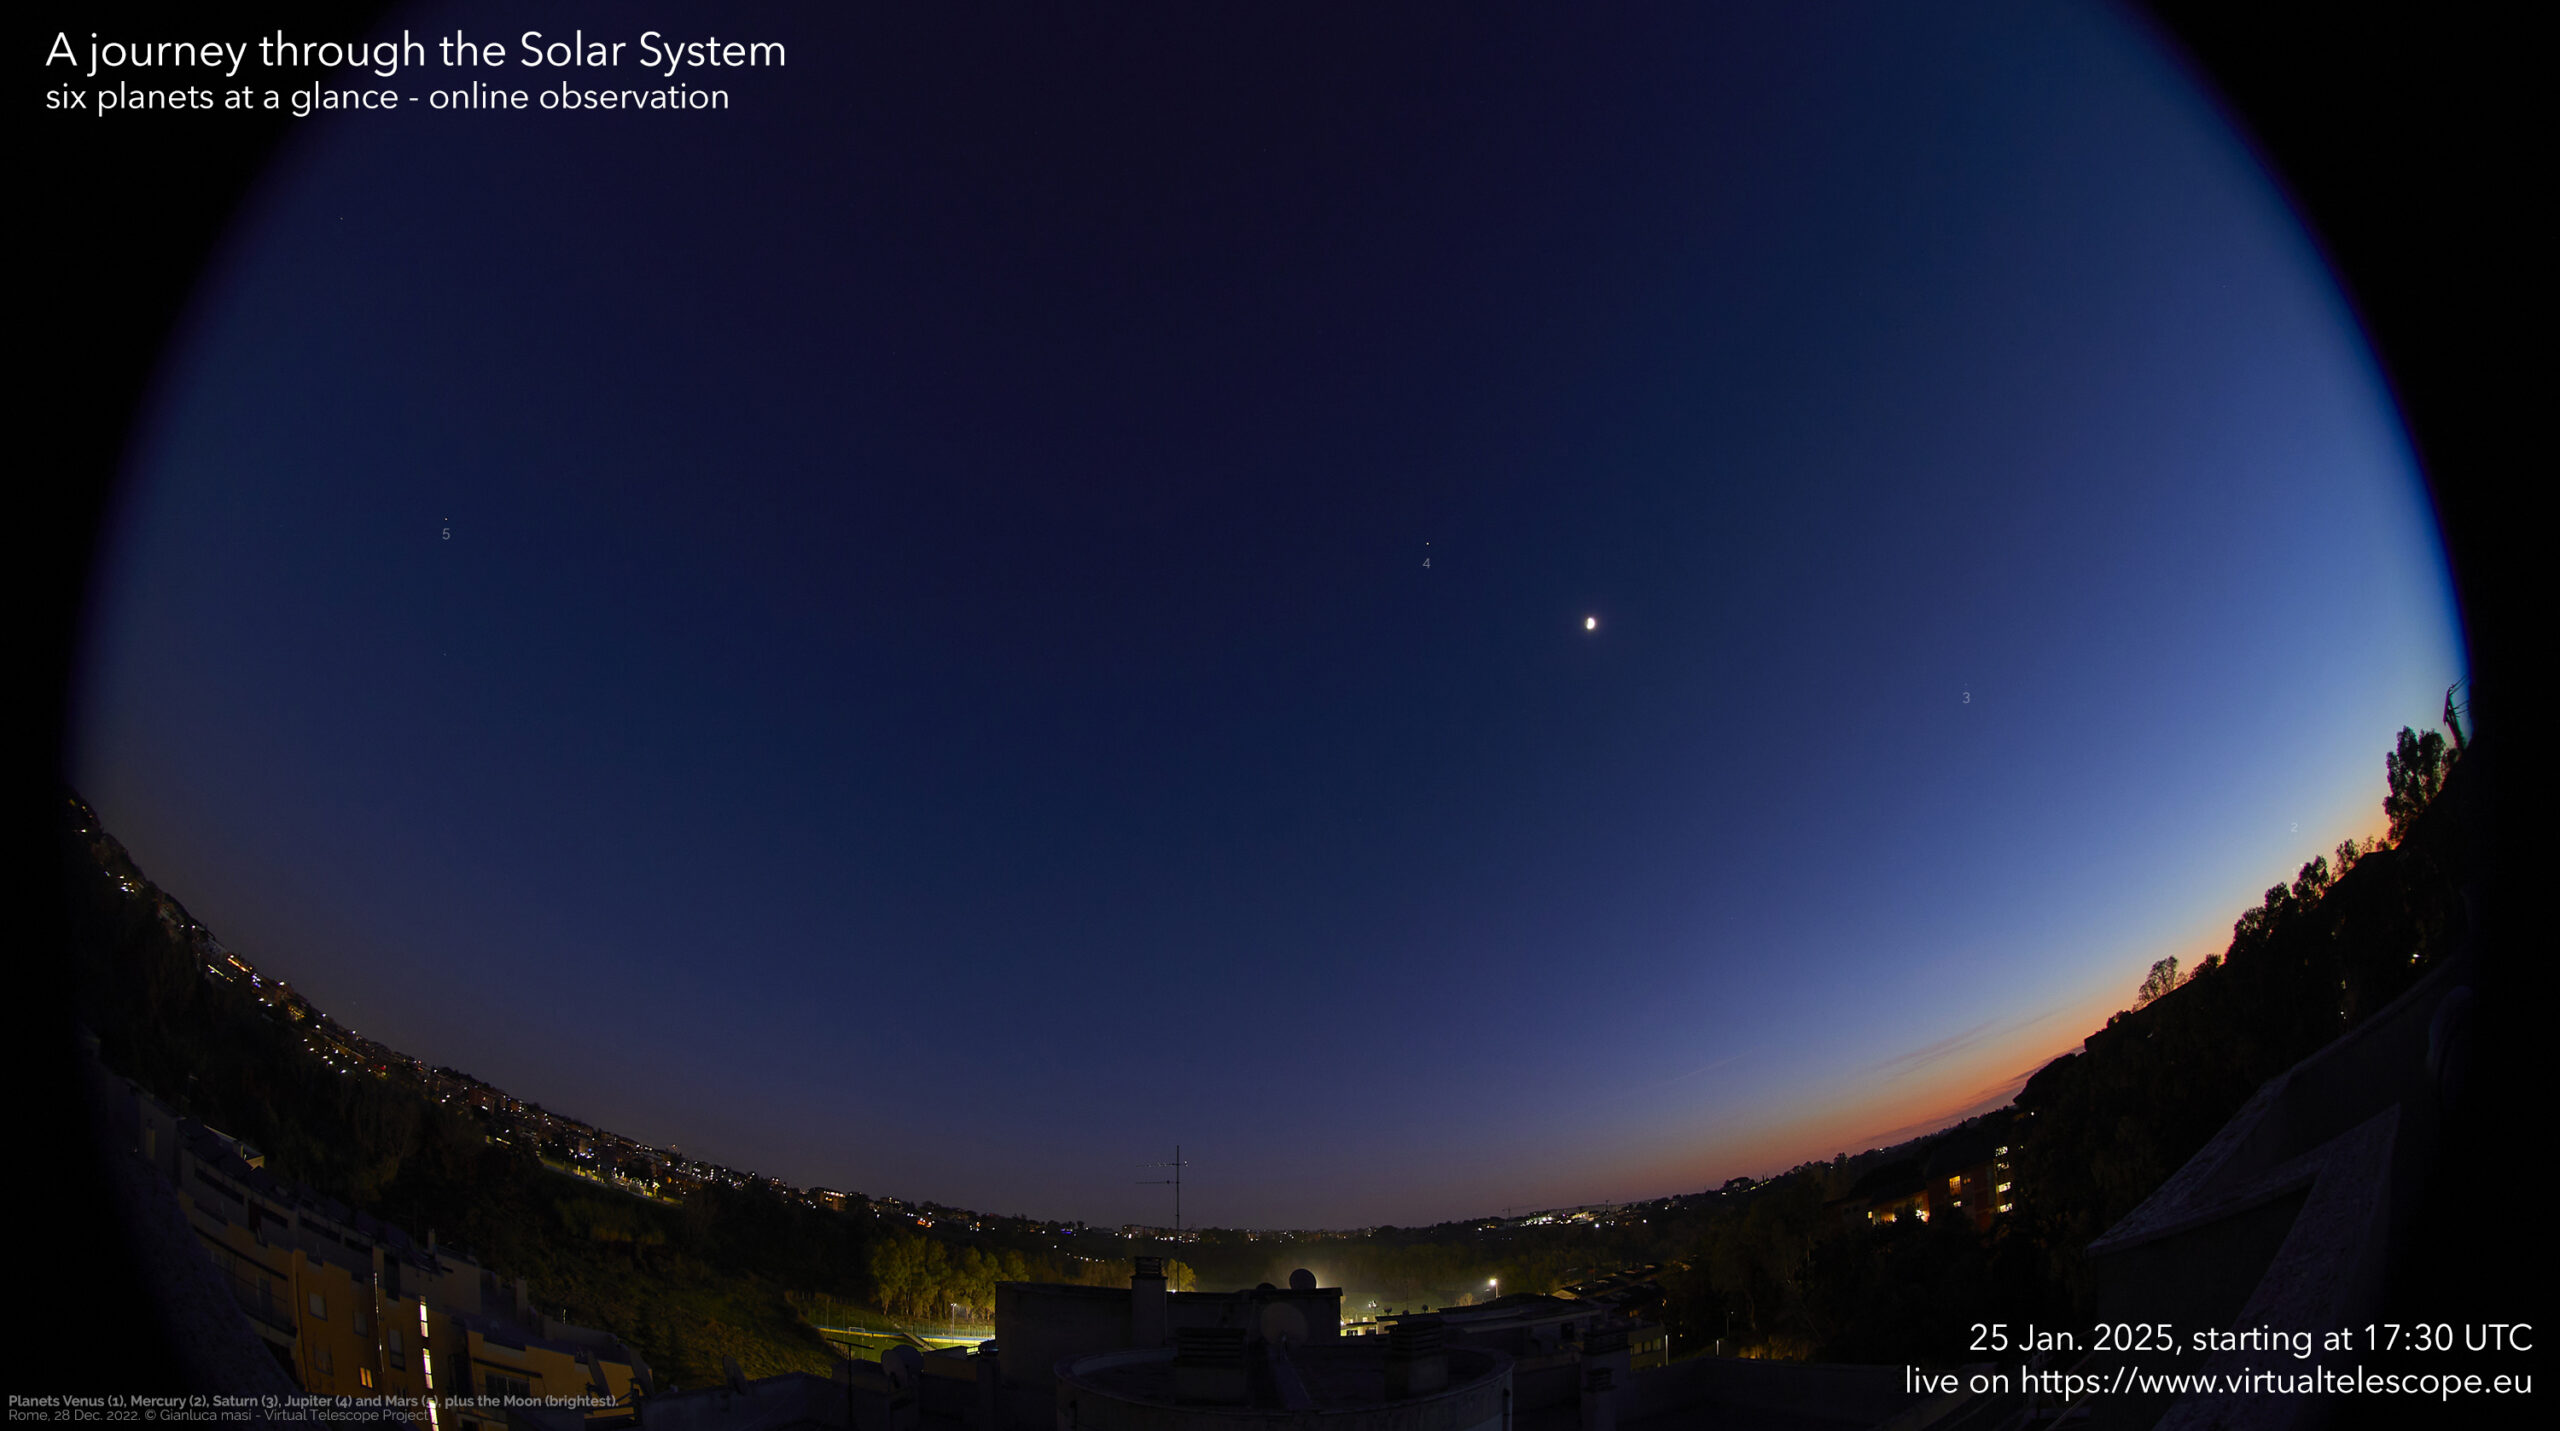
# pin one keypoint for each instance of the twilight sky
(1022, 593)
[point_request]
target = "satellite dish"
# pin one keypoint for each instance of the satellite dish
(902, 1365)
(1302, 1280)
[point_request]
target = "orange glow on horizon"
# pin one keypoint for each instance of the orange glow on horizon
(1970, 1081)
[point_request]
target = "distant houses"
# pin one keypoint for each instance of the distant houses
(1963, 1173)
(350, 1306)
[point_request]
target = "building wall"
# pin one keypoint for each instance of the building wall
(1707, 1391)
(503, 1365)
(1038, 1323)
(344, 1310)
(1973, 1194)
(1479, 1398)
(791, 1399)
(1262, 1311)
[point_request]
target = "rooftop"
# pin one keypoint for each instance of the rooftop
(1335, 1376)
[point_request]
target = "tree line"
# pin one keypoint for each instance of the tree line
(927, 1278)
(1782, 1272)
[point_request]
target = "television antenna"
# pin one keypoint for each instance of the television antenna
(1174, 1182)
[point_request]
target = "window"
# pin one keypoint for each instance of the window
(364, 1324)
(364, 1377)
(501, 1384)
(319, 1306)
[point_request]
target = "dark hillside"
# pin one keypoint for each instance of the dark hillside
(2097, 1131)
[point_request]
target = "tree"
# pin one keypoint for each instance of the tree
(973, 1279)
(2312, 882)
(2162, 978)
(912, 1274)
(2414, 772)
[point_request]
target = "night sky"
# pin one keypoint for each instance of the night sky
(1026, 592)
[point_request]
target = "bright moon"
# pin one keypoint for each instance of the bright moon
(1591, 623)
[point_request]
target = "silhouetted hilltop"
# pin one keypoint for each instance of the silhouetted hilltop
(2109, 1124)
(1806, 1266)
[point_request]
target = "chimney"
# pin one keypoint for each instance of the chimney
(1150, 1318)
(1417, 1357)
(1599, 1399)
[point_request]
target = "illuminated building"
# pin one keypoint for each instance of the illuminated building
(352, 1306)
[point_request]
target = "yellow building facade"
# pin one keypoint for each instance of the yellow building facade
(352, 1306)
